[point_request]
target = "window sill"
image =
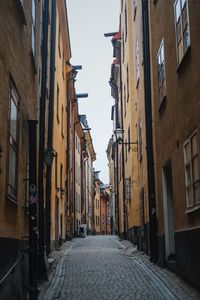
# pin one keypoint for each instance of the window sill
(184, 60)
(192, 209)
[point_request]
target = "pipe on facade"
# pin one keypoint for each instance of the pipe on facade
(123, 160)
(33, 236)
(74, 176)
(42, 271)
(72, 78)
(50, 127)
(149, 135)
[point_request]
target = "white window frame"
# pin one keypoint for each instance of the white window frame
(185, 46)
(190, 181)
(161, 70)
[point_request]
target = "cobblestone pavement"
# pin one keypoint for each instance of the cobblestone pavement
(102, 267)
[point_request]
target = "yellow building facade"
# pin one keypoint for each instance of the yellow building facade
(129, 116)
(58, 193)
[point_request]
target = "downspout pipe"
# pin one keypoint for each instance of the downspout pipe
(42, 270)
(74, 175)
(72, 78)
(149, 135)
(50, 127)
(123, 160)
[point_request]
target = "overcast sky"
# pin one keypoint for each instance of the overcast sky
(88, 21)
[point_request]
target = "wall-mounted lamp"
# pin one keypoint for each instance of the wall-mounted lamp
(119, 139)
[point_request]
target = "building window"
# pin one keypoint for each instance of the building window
(134, 8)
(137, 63)
(13, 142)
(126, 150)
(129, 138)
(128, 188)
(63, 65)
(33, 31)
(56, 171)
(59, 42)
(124, 100)
(191, 171)
(182, 28)
(62, 112)
(57, 103)
(161, 73)
(61, 175)
(127, 78)
(126, 25)
(139, 126)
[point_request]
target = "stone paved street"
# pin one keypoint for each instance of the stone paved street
(102, 267)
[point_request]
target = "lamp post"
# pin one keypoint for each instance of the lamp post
(119, 139)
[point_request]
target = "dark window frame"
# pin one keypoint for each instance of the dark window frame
(185, 45)
(13, 143)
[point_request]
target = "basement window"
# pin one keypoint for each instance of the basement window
(191, 163)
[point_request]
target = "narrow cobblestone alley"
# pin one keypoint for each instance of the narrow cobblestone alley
(103, 267)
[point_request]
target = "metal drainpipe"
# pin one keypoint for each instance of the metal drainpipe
(50, 127)
(123, 161)
(74, 176)
(33, 236)
(68, 145)
(42, 271)
(149, 135)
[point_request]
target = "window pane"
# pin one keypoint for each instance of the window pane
(185, 17)
(13, 120)
(12, 168)
(194, 144)
(187, 152)
(188, 174)
(177, 10)
(33, 39)
(183, 3)
(180, 51)
(189, 194)
(178, 31)
(186, 39)
(196, 192)
(33, 11)
(195, 169)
